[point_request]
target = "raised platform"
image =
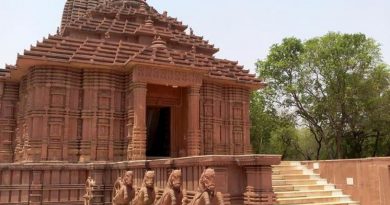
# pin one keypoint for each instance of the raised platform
(53, 183)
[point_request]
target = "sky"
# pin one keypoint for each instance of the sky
(244, 30)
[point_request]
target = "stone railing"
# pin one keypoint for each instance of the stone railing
(64, 183)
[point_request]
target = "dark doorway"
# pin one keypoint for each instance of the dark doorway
(158, 131)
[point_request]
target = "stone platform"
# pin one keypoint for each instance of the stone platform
(57, 183)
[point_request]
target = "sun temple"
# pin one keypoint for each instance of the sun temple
(117, 87)
(120, 81)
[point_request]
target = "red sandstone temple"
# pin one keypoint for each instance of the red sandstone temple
(120, 81)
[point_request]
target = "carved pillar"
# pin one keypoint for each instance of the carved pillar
(8, 100)
(138, 140)
(36, 188)
(193, 136)
(259, 184)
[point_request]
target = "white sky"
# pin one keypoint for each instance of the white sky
(242, 29)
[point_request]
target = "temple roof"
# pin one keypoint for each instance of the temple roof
(122, 32)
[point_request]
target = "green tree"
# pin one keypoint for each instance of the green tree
(335, 85)
(273, 133)
(260, 122)
(267, 125)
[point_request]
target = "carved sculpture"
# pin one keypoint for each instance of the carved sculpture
(173, 194)
(147, 193)
(206, 194)
(18, 146)
(88, 196)
(124, 192)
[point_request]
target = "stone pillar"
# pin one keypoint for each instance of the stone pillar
(259, 184)
(193, 136)
(9, 94)
(138, 140)
(36, 188)
(5, 138)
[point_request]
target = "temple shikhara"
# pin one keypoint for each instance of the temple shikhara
(117, 87)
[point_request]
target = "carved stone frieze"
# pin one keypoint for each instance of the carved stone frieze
(166, 77)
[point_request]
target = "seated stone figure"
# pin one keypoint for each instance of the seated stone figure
(206, 194)
(124, 192)
(147, 194)
(173, 194)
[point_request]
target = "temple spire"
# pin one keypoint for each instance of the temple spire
(158, 43)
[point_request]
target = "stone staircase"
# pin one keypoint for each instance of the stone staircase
(294, 184)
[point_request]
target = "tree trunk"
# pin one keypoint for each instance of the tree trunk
(376, 144)
(318, 151)
(338, 147)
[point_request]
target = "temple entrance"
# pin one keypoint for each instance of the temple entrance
(158, 132)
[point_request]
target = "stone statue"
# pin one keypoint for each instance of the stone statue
(124, 192)
(147, 193)
(173, 194)
(206, 194)
(88, 196)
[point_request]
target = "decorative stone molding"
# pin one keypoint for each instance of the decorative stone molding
(138, 141)
(193, 136)
(166, 76)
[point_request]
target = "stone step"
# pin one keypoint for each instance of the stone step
(299, 182)
(290, 163)
(294, 184)
(306, 193)
(331, 203)
(285, 167)
(295, 176)
(338, 203)
(311, 199)
(284, 172)
(282, 188)
(277, 177)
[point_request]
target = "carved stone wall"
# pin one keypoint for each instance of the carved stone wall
(64, 183)
(103, 116)
(49, 115)
(71, 115)
(8, 99)
(225, 119)
(95, 115)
